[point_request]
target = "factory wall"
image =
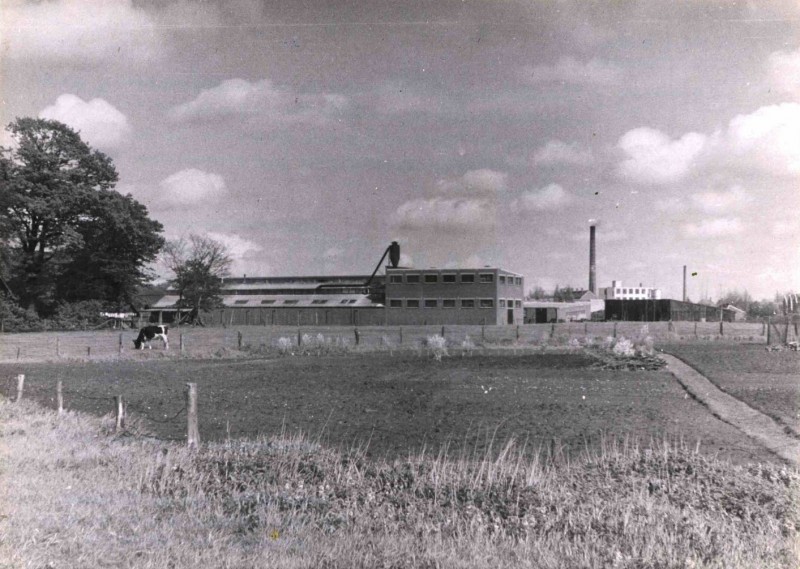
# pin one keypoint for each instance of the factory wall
(664, 310)
(361, 316)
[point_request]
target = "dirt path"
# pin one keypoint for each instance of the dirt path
(735, 412)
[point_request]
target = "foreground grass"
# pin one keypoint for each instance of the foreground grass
(74, 496)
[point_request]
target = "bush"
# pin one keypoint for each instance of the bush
(17, 319)
(438, 346)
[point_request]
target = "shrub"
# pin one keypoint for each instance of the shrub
(467, 346)
(285, 346)
(623, 347)
(438, 346)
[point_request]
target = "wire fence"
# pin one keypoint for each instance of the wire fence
(200, 342)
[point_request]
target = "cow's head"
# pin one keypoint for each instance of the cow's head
(138, 344)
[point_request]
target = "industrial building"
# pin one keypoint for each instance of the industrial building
(619, 292)
(665, 310)
(487, 295)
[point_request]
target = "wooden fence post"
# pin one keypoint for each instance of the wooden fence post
(553, 329)
(18, 348)
(20, 386)
(88, 351)
(181, 341)
(119, 347)
(615, 329)
(192, 432)
(58, 347)
(401, 335)
(357, 335)
(769, 331)
(517, 331)
(119, 404)
(721, 331)
(239, 339)
(442, 331)
(695, 329)
(60, 396)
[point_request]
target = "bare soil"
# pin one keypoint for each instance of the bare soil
(400, 403)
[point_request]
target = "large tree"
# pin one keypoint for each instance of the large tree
(199, 265)
(68, 234)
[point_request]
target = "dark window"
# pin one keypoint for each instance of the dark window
(412, 303)
(448, 278)
(290, 302)
(519, 281)
(396, 278)
(518, 303)
(240, 302)
(345, 301)
(449, 303)
(412, 278)
(430, 303)
(487, 303)
(503, 279)
(352, 301)
(487, 278)
(395, 303)
(467, 278)
(431, 278)
(502, 302)
(319, 301)
(467, 303)
(267, 302)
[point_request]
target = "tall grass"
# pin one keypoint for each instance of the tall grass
(76, 496)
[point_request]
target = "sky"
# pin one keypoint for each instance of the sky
(307, 135)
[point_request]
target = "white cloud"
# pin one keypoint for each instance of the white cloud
(671, 205)
(550, 197)
(478, 181)
(558, 152)
(468, 214)
(396, 97)
(769, 138)
(406, 260)
(237, 246)
(570, 70)
(717, 227)
(261, 98)
(652, 157)
(722, 202)
(190, 187)
(784, 72)
(98, 121)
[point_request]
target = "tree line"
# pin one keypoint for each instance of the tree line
(73, 246)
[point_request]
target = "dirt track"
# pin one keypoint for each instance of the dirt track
(735, 412)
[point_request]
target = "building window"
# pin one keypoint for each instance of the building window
(519, 281)
(352, 301)
(290, 302)
(395, 279)
(518, 303)
(412, 303)
(431, 278)
(267, 302)
(345, 301)
(467, 303)
(395, 303)
(430, 303)
(240, 302)
(487, 278)
(502, 302)
(448, 278)
(319, 301)
(412, 278)
(467, 278)
(503, 279)
(449, 303)
(487, 303)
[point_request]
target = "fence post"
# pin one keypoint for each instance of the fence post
(769, 331)
(18, 352)
(721, 331)
(553, 329)
(239, 339)
(192, 432)
(695, 329)
(355, 332)
(585, 328)
(20, 386)
(401, 335)
(181, 341)
(442, 331)
(517, 331)
(119, 347)
(58, 347)
(786, 331)
(88, 351)
(615, 329)
(119, 404)
(60, 396)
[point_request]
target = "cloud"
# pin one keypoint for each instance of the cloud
(261, 98)
(190, 187)
(652, 157)
(442, 213)
(237, 246)
(722, 202)
(550, 197)
(768, 138)
(785, 229)
(558, 152)
(396, 97)
(604, 236)
(98, 121)
(570, 70)
(477, 181)
(711, 228)
(784, 72)
(333, 253)
(671, 205)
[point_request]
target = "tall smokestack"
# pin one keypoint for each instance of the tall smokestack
(684, 283)
(592, 261)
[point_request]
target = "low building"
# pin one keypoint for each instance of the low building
(617, 291)
(739, 315)
(488, 296)
(544, 311)
(664, 310)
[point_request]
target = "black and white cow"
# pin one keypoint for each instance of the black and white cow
(148, 333)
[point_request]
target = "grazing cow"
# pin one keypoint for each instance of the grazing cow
(147, 334)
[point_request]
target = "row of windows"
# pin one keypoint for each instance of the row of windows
(292, 302)
(296, 291)
(630, 290)
(432, 278)
(451, 303)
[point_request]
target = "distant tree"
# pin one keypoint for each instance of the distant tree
(199, 265)
(537, 293)
(738, 299)
(760, 309)
(566, 294)
(66, 234)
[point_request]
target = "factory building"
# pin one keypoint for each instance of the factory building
(488, 296)
(619, 292)
(665, 310)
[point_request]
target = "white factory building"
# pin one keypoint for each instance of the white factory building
(618, 291)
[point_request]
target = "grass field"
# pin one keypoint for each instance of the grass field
(767, 381)
(399, 403)
(74, 496)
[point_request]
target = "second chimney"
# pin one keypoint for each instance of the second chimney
(592, 262)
